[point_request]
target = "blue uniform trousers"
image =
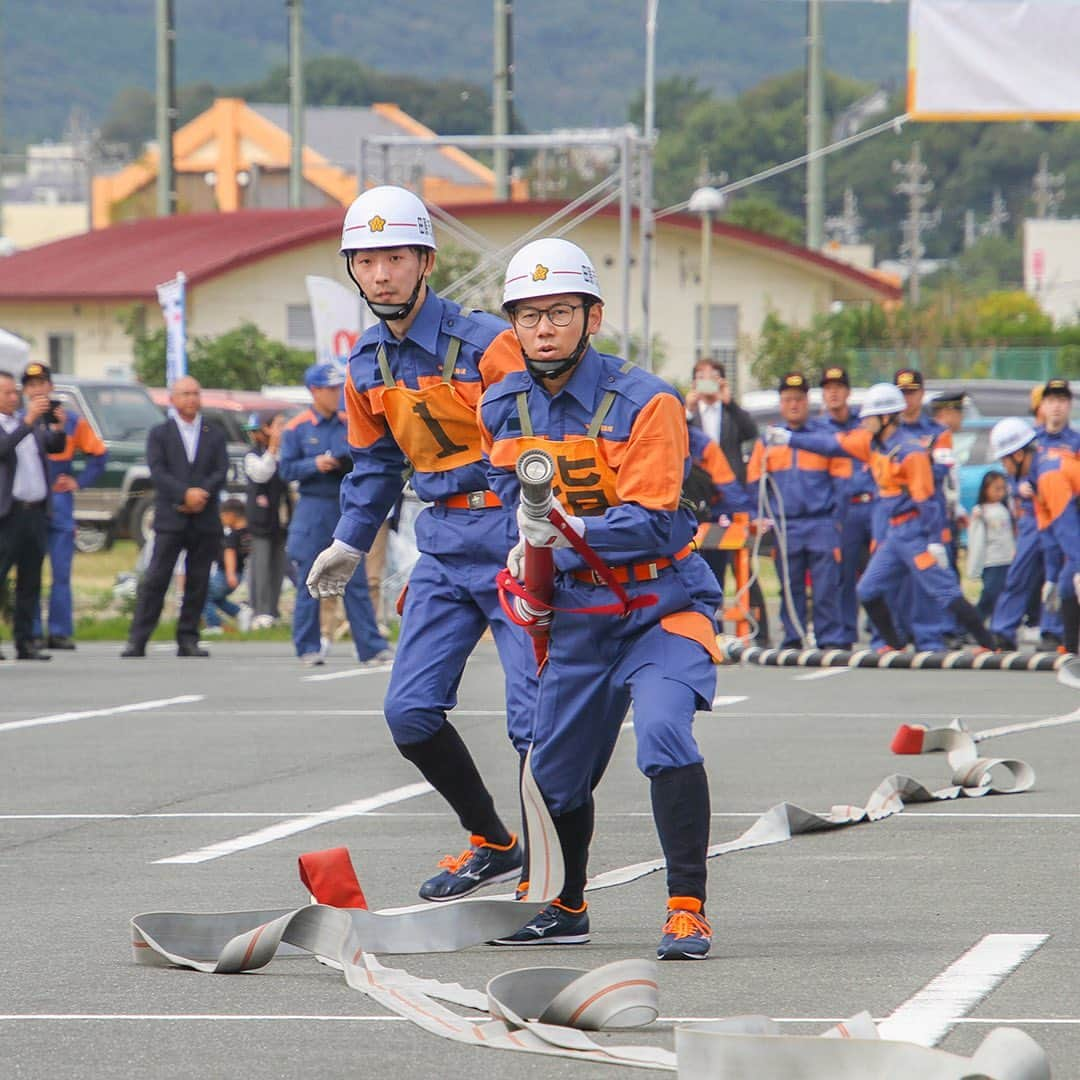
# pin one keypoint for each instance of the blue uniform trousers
(310, 532)
(1024, 580)
(61, 554)
(896, 561)
(599, 665)
(450, 601)
(856, 536)
(812, 547)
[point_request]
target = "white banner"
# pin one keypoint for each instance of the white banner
(993, 60)
(171, 297)
(336, 315)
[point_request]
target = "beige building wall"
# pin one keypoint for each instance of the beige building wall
(28, 224)
(90, 333)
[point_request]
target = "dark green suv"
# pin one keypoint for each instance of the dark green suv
(121, 503)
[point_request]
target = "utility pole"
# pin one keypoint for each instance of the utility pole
(815, 126)
(844, 226)
(998, 215)
(296, 103)
(1048, 189)
(166, 107)
(502, 94)
(916, 187)
(969, 229)
(645, 180)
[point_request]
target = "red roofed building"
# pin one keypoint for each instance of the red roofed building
(70, 297)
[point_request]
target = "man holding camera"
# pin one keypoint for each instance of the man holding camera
(25, 443)
(79, 437)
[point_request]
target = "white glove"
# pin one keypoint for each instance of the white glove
(515, 561)
(1076, 585)
(543, 534)
(1051, 599)
(777, 436)
(1025, 490)
(332, 569)
(941, 556)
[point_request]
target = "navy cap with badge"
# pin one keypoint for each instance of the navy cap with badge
(324, 375)
(794, 380)
(834, 374)
(1060, 387)
(36, 370)
(950, 397)
(254, 422)
(908, 378)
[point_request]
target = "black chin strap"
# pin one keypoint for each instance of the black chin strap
(388, 312)
(563, 366)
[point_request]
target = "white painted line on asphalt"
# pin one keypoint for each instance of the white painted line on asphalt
(994, 1021)
(89, 714)
(824, 673)
(378, 669)
(927, 1017)
(297, 825)
(1009, 729)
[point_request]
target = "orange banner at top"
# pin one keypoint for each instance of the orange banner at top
(993, 60)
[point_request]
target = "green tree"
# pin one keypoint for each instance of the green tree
(760, 213)
(240, 359)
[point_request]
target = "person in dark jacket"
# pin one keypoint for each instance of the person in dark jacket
(269, 509)
(25, 442)
(189, 461)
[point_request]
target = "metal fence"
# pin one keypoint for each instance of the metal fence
(868, 366)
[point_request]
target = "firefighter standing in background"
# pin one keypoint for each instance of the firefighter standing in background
(801, 498)
(64, 482)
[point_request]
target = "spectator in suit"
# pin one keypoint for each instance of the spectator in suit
(188, 461)
(25, 443)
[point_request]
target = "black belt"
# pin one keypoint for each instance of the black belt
(22, 504)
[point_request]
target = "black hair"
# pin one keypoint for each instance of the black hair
(988, 478)
(234, 506)
(7, 375)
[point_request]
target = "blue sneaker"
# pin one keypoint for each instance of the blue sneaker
(687, 933)
(479, 864)
(555, 925)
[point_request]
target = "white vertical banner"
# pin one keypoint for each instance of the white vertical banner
(337, 318)
(172, 298)
(984, 60)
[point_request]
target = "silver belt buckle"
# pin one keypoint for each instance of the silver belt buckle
(475, 499)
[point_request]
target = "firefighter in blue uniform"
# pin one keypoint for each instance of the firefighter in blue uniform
(415, 380)
(618, 436)
(804, 505)
(1028, 571)
(856, 493)
(64, 481)
(911, 548)
(315, 454)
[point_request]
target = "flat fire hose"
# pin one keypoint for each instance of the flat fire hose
(548, 1010)
(958, 660)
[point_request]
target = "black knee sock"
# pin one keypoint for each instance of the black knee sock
(681, 810)
(1070, 618)
(523, 836)
(449, 768)
(575, 830)
(881, 617)
(969, 619)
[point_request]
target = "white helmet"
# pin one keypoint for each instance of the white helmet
(384, 217)
(882, 399)
(549, 267)
(1009, 435)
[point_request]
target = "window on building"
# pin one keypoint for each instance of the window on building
(299, 326)
(722, 341)
(62, 354)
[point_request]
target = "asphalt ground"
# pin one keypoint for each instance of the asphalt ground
(807, 931)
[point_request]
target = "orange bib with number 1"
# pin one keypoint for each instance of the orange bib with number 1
(436, 430)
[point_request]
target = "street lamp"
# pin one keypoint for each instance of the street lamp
(708, 202)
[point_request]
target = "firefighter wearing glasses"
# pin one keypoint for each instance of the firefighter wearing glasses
(619, 440)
